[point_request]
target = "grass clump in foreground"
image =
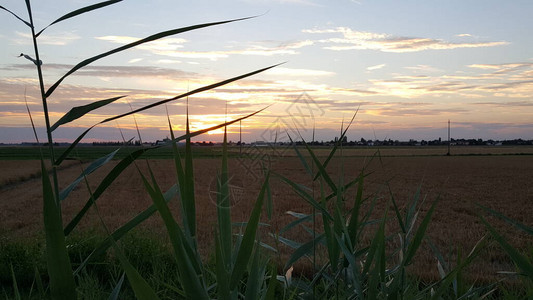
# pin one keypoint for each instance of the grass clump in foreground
(120, 264)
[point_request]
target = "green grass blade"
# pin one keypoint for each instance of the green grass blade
(420, 233)
(272, 284)
(353, 225)
(248, 240)
(445, 282)
(521, 261)
(106, 182)
(79, 12)
(91, 168)
(124, 229)
(333, 247)
(255, 277)
(520, 226)
(140, 287)
(304, 195)
(20, 19)
(15, 285)
(224, 206)
(222, 273)
(304, 250)
(321, 169)
(300, 156)
(62, 285)
(116, 290)
(397, 211)
(190, 269)
(79, 111)
(131, 45)
(40, 285)
(337, 144)
(302, 219)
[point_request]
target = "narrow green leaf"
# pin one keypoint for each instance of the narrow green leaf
(224, 206)
(397, 211)
(62, 285)
(79, 111)
(337, 144)
(248, 240)
(445, 282)
(296, 222)
(116, 291)
(40, 285)
(304, 250)
(15, 285)
(333, 247)
(420, 233)
(140, 287)
(272, 283)
(353, 225)
(106, 182)
(121, 231)
(516, 224)
(305, 195)
(255, 277)
(222, 274)
(79, 12)
(188, 196)
(20, 19)
(521, 261)
(321, 169)
(131, 45)
(91, 168)
(71, 147)
(190, 271)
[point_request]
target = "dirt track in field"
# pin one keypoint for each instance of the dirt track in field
(502, 183)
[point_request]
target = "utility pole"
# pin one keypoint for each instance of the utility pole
(448, 154)
(240, 137)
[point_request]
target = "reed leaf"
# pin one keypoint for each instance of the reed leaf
(79, 111)
(304, 250)
(91, 168)
(337, 144)
(116, 290)
(131, 45)
(223, 206)
(140, 287)
(106, 182)
(79, 12)
(248, 239)
(190, 273)
(520, 260)
(62, 285)
(520, 226)
(418, 237)
(15, 15)
(222, 273)
(124, 229)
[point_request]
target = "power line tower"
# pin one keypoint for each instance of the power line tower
(449, 142)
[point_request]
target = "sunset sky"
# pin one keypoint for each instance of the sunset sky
(409, 66)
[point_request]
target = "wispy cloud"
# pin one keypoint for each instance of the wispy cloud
(376, 67)
(174, 47)
(363, 40)
(59, 39)
(280, 71)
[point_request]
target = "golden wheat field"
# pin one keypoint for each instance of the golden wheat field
(500, 182)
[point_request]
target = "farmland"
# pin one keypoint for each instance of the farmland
(495, 177)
